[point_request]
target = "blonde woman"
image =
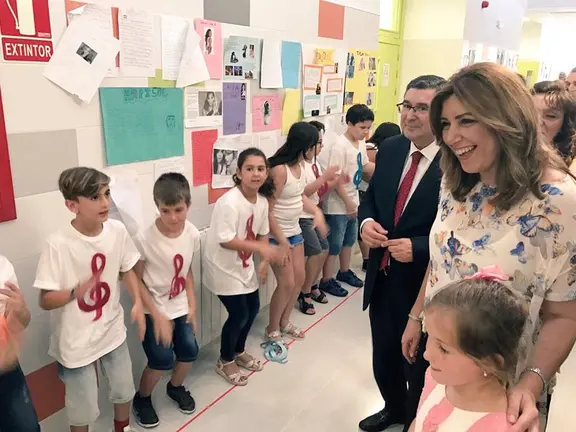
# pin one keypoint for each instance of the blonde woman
(507, 198)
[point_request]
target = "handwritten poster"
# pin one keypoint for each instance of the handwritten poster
(210, 33)
(271, 73)
(202, 145)
(324, 56)
(291, 60)
(311, 105)
(136, 43)
(266, 113)
(234, 108)
(242, 57)
(174, 33)
(313, 78)
(291, 112)
(361, 78)
(141, 123)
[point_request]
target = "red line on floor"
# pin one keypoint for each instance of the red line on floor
(227, 392)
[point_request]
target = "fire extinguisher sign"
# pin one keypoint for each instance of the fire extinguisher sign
(25, 30)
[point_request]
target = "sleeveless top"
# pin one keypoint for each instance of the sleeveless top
(288, 207)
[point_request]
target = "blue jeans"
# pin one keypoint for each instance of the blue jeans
(184, 345)
(17, 413)
(343, 232)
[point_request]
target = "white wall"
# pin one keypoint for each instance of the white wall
(431, 20)
(499, 25)
(557, 34)
(552, 5)
(530, 42)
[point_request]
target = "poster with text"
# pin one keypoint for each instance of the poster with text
(210, 33)
(361, 78)
(266, 113)
(203, 106)
(242, 57)
(234, 119)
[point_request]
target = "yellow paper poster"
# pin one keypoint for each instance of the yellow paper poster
(324, 56)
(361, 78)
(291, 111)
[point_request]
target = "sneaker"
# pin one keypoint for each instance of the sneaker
(182, 397)
(127, 429)
(333, 287)
(144, 412)
(350, 278)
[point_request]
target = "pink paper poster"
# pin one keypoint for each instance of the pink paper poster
(210, 33)
(266, 113)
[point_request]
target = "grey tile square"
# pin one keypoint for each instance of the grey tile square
(38, 158)
(228, 11)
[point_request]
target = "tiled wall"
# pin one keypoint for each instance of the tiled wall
(49, 131)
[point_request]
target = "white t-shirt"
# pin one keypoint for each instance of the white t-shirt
(7, 274)
(344, 154)
(224, 271)
(166, 265)
(80, 337)
(310, 178)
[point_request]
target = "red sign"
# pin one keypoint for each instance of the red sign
(7, 204)
(26, 30)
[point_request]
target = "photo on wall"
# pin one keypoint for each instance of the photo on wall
(370, 99)
(203, 106)
(266, 113)
(224, 162)
(243, 54)
(210, 103)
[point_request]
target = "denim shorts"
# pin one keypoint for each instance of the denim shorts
(294, 240)
(314, 243)
(184, 345)
(82, 385)
(343, 232)
(18, 413)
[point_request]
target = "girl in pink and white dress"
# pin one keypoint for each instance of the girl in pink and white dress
(475, 329)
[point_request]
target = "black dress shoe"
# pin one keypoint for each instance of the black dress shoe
(380, 421)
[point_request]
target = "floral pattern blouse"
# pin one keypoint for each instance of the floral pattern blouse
(533, 243)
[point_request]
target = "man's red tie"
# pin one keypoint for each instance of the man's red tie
(401, 198)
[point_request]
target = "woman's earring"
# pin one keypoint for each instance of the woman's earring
(485, 374)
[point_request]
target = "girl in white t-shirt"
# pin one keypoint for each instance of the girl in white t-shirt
(286, 208)
(475, 329)
(239, 228)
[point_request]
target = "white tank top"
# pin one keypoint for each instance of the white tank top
(288, 207)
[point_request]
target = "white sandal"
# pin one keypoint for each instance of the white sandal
(253, 365)
(293, 332)
(237, 378)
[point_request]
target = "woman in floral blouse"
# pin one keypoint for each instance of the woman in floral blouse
(507, 198)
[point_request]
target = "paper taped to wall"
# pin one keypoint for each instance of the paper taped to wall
(82, 59)
(136, 29)
(203, 106)
(174, 33)
(193, 68)
(127, 198)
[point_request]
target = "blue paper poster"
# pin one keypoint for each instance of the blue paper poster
(291, 59)
(142, 123)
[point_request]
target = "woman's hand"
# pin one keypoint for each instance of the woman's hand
(411, 340)
(522, 411)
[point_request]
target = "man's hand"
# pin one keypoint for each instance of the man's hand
(373, 235)
(400, 249)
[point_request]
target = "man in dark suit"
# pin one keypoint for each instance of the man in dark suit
(396, 215)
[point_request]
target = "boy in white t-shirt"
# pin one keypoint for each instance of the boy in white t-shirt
(17, 411)
(168, 247)
(341, 204)
(78, 277)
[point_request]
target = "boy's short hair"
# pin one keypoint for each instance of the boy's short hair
(172, 188)
(359, 113)
(81, 182)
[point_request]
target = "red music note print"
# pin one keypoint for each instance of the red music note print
(178, 282)
(99, 294)
(245, 256)
(322, 189)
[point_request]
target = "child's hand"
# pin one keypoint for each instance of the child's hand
(263, 272)
(137, 316)
(191, 319)
(330, 173)
(351, 208)
(163, 329)
(320, 223)
(83, 288)
(344, 178)
(17, 315)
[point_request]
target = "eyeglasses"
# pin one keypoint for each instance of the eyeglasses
(418, 109)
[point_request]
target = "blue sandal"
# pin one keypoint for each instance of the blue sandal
(275, 351)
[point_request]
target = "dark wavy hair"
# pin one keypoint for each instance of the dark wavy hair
(384, 131)
(301, 137)
(502, 104)
(559, 98)
(267, 189)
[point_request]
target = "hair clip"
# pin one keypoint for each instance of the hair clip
(491, 273)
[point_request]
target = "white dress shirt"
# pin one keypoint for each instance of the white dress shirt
(428, 154)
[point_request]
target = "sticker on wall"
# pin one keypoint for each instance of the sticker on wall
(26, 31)
(7, 204)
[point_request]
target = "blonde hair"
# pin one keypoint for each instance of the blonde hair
(489, 320)
(499, 101)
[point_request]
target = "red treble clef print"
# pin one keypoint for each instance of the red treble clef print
(322, 189)
(245, 256)
(99, 294)
(178, 282)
